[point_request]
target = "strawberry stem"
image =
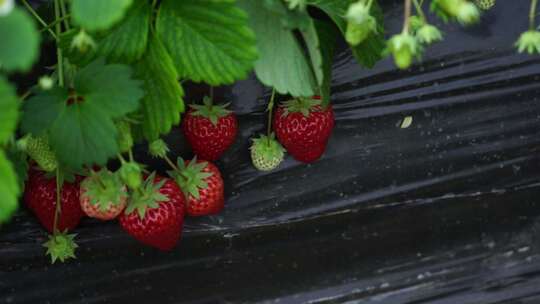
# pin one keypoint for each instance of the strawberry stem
(270, 110)
(58, 207)
(59, 57)
(64, 12)
(419, 10)
(170, 162)
(406, 16)
(38, 18)
(532, 14)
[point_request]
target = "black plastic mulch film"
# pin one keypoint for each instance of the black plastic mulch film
(444, 211)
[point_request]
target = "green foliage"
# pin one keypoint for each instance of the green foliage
(208, 40)
(369, 51)
(80, 124)
(127, 41)
(162, 103)
(9, 110)
(327, 39)
(9, 189)
(98, 15)
(19, 41)
(282, 63)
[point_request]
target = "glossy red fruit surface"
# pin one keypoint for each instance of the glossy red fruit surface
(209, 141)
(40, 198)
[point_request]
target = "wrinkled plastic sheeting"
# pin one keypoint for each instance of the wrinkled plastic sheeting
(443, 211)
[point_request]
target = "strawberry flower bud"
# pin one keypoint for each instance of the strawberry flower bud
(530, 41)
(45, 82)
(6, 6)
(468, 13)
(403, 47)
(83, 42)
(359, 23)
(428, 34)
(158, 148)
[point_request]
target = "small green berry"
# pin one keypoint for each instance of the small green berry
(158, 148)
(403, 47)
(468, 13)
(131, 175)
(266, 153)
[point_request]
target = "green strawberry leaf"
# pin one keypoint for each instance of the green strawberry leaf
(81, 129)
(282, 63)
(20, 41)
(83, 134)
(98, 15)
(19, 162)
(109, 86)
(9, 189)
(368, 52)
(41, 110)
(326, 34)
(163, 103)
(314, 49)
(9, 110)
(208, 40)
(127, 41)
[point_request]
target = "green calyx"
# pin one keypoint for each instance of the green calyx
(529, 41)
(403, 47)
(104, 189)
(131, 174)
(191, 177)
(147, 196)
(158, 148)
(61, 246)
(266, 152)
(301, 105)
(427, 34)
(209, 110)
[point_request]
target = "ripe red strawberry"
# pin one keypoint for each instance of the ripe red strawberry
(209, 129)
(40, 197)
(103, 196)
(303, 126)
(203, 186)
(159, 216)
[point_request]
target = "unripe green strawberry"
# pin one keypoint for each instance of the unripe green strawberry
(403, 47)
(131, 175)
(39, 150)
(266, 153)
(125, 139)
(359, 23)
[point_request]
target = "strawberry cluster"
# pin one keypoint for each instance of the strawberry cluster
(149, 207)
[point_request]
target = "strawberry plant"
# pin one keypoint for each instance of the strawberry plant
(118, 79)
